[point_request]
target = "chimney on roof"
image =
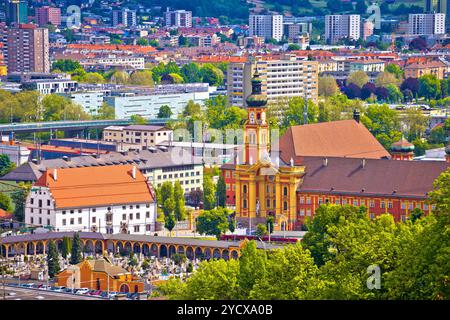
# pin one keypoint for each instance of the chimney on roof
(133, 172)
(55, 174)
(356, 115)
(325, 162)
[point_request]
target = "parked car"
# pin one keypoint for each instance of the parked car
(59, 289)
(95, 293)
(28, 285)
(82, 291)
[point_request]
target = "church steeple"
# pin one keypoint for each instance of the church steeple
(256, 127)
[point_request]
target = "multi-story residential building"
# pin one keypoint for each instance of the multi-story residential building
(142, 135)
(342, 26)
(48, 15)
(50, 86)
(146, 103)
(206, 40)
(124, 17)
(287, 77)
(367, 29)
(420, 68)
(328, 65)
(109, 199)
(178, 18)
(293, 30)
(16, 11)
(28, 49)
(266, 26)
(426, 23)
(114, 61)
(371, 65)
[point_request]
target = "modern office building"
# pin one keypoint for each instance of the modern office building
(146, 103)
(426, 23)
(28, 49)
(342, 26)
(124, 17)
(91, 101)
(48, 15)
(282, 78)
(178, 18)
(266, 26)
(16, 12)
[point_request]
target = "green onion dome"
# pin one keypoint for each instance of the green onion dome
(402, 145)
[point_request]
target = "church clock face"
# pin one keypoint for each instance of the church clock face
(252, 117)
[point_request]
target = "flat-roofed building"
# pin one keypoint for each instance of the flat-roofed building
(142, 135)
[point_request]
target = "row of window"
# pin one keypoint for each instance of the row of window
(175, 175)
(131, 207)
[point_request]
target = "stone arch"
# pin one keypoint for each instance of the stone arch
(119, 247)
(234, 254)
(154, 250)
(190, 253)
(3, 250)
(198, 253)
(225, 255)
(137, 248)
(59, 245)
(145, 249)
(40, 247)
(207, 253)
(163, 251)
(110, 246)
(172, 250)
(128, 247)
(216, 254)
(30, 248)
(89, 247)
(180, 249)
(98, 247)
(124, 288)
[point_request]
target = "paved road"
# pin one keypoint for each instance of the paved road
(15, 293)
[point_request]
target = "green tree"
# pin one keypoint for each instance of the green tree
(120, 77)
(209, 193)
(252, 268)
(142, 78)
(437, 135)
(179, 210)
(5, 202)
(66, 65)
(415, 122)
(76, 255)
(359, 78)
(19, 198)
(395, 95)
(269, 222)
(142, 42)
(105, 112)
(328, 87)
(191, 73)
(164, 112)
(6, 165)
(53, 267)
(137, 119)
(221, 192)
(395, 70)
(212, 75)
(213, 222)
(429, 86)
(261, 230)
(66, 247)
(386, 78)
(169, 220)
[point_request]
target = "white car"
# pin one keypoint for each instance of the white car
(59, 289)
(82, 291)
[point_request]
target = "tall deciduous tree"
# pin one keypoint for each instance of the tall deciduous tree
(209, 193)
(164, 112)
(76, 255)
(179, 210)
(53, 267)
(213, 222)
(359, 78)
(328, 86)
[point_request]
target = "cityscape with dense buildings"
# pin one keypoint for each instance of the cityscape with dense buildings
(226, 150)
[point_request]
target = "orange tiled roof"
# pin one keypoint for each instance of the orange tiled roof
(5, 214)
(96, 186)
(345, 138)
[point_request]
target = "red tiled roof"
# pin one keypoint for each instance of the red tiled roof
(382, 177)
(345, 138)
(96, 186)
(5, 214)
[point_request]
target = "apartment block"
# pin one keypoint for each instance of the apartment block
(125, 17)
(178, 18)
(342, 26)
(28, 49)
(266, 26)
(426, 24)
(283, 78)
(48, 15)
(143, 135)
